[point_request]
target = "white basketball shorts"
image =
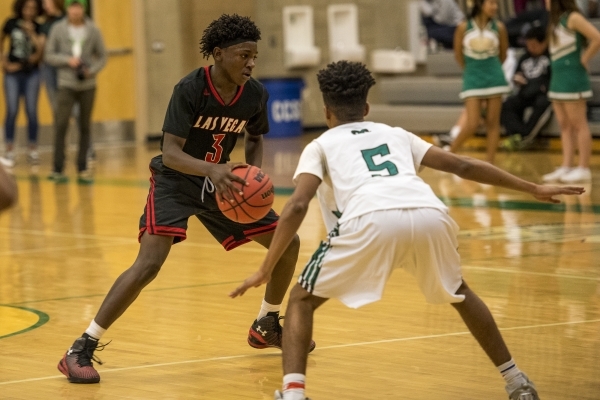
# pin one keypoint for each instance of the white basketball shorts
(355, 262)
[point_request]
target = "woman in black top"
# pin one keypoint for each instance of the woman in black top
(21, 72)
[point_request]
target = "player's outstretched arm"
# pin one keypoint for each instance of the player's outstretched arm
(220, 174)
(484, 172)
(8, 190)
(290, 220)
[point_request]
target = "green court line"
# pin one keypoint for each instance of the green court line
(42, 319)
(462, 202)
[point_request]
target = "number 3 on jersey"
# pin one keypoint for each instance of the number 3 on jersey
(216, 156)
(382, 150)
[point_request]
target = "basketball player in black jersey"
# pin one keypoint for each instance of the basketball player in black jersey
(209, 109)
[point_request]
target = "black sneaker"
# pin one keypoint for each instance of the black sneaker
(77, 364)
(267, 332)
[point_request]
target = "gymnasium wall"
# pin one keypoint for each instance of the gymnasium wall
(382, 25)
(153, 43)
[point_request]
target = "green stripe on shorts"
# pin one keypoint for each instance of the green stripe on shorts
(310, 273)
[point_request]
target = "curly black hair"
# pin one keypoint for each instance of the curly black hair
(225, 30)
(19, 4)
(345, 86)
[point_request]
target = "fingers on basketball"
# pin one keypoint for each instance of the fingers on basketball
(256, 199)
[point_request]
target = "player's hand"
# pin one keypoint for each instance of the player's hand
(255, 280)
(222, 178)
(586, 63)
(547, 193)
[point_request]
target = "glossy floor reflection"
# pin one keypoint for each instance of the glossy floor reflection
(536, 266)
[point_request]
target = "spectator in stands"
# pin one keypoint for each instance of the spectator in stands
(532, 79)
(525, 5)
(441, 17)
(76, 48)
(21, 74)
(589, 8)
(480, 46)
(570, 86)
(55, 11)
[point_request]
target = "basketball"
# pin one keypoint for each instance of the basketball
(257, 197)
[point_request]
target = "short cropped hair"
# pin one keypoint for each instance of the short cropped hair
(536, 32)
(345, 86)
(226, 31)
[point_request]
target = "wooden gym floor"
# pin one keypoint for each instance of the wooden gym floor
(535, 265)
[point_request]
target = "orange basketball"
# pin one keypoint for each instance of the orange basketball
(256, 200)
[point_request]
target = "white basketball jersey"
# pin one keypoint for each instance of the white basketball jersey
(367, 166)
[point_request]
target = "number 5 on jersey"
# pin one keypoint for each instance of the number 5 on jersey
(382, 150)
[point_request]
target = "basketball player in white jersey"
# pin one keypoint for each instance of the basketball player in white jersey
(380, 216)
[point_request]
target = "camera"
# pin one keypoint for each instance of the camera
(80, 71)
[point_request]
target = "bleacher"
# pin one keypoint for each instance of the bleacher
(431, 104)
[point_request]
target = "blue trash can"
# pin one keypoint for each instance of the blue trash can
(285, 106)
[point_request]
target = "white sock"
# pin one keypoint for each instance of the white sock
(293, 386)
(267, 308)
(95, 330)
(512, 374)
(455, 131)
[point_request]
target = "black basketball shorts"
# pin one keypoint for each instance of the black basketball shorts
(174, 197)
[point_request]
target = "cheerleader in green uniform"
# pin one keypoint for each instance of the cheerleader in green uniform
(480, 45)
(570, 86)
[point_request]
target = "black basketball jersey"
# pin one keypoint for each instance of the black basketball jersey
(197, 113)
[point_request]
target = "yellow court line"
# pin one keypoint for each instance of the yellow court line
(441, 335)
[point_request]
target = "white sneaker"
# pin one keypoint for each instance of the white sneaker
(526, 391)
(8, 161)
(577, 175)
(33, 158)
(557, 174)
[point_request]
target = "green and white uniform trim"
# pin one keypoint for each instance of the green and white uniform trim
(483, 75)
(569, 79)
(309, 275)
